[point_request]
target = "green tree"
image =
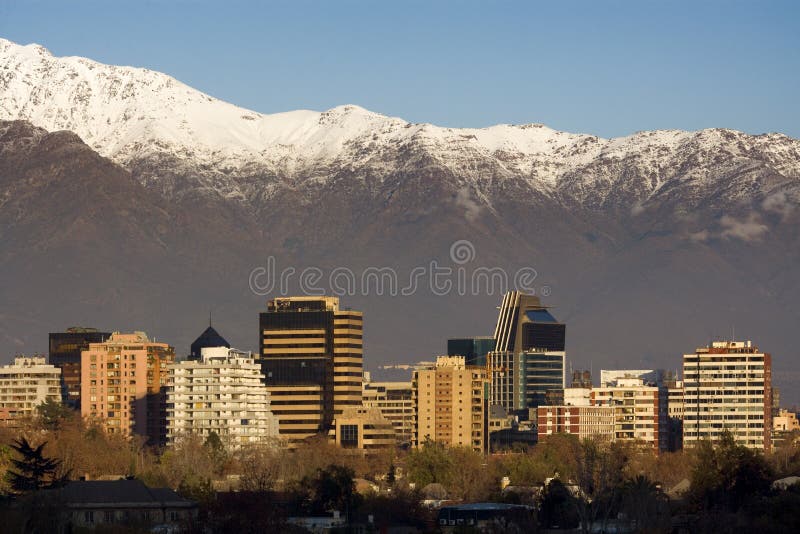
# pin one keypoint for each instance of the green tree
(52, 415)
(645, 505)
(33, 471)
(727, 476)
(429, 464)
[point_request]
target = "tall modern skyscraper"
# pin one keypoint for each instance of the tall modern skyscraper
(728, 386)
(65, 353)
(473, 349)
(528, 360)
(312, 359)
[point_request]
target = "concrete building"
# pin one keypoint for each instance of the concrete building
(579, 396)
(639, 415)
(451, 404)
(528, 360)
(587, 422)
(222, 393)
(210, 338)
(123, 385)
(395, 402)
(312, 359)
(363, 428)
(785, 422)
(65, 353)
(25, 384)
(727, 386)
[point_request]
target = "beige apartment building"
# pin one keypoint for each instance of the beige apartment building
(123, 385)
(451, 404)
(395, 402)
(311, 354)
(728, 387)
(364, 428)
(223, 393)
(638, 413)
(25, 384)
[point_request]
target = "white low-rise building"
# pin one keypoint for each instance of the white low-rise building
(222, 393)
(26, 384)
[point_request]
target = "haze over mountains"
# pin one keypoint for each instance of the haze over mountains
(162, 200)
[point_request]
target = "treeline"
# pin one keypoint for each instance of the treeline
(570, 483)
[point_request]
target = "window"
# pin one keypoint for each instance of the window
(88, 516)
(349, 437)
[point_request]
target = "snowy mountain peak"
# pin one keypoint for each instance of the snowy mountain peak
(133, 114)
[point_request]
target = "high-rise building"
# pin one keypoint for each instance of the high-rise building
(222, 393)
(473, 349)
(210, 338)
(529, 357)
(65, 353)
(123, 385)
(639, 412)
(312, 359)
(394, 401)
(26, 384)
(728, 387)
(451, 404)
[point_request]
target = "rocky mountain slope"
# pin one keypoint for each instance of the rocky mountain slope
(649, 244)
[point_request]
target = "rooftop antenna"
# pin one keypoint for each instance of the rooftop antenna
(209, 317)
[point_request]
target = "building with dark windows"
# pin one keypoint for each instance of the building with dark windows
(527, 363)
(311, 356)
(65, 353)
(210, 338)
(473, 349)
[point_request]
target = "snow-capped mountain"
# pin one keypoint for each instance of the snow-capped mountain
(149, 121)
(650, 243)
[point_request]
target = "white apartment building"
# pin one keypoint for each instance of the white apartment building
(26, 384)
(728, 387)
(223, 393)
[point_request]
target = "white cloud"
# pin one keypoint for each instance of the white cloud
(749, 229)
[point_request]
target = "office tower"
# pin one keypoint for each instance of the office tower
(587, 422)
(451, 404)
(394, 401)
(363, 428)
(65, 353)
(639, 411)
(208, 339)
(123, 385)
(728, 386)
(311, 357)
(26, 384)
(222, 393)
(528, 360)
(473, 349)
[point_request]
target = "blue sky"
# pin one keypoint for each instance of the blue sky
(605, 67)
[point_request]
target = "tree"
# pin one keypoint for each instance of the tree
(33, 471)
(260, 467)
(728, 475)
(645, 505)
(429, 464)
(53, 414)
(331, 488)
